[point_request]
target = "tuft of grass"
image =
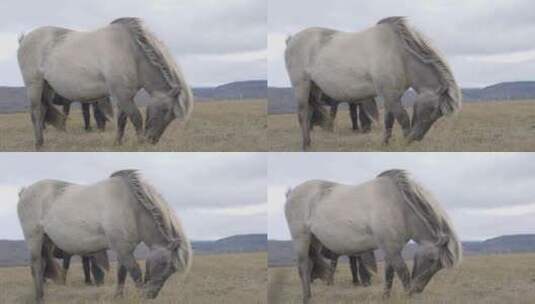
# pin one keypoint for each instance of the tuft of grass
(213, 126)
(479, 126)
(229, 278)
(493, 279)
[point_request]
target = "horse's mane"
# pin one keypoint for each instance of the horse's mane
(160, 57)
(153, 203)
(420, 46)
(430, 213)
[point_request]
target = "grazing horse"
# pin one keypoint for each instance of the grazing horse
(116, 61)
(117, 213)
(384, 60)
(384, 213)
(358, 264)
(94, 264)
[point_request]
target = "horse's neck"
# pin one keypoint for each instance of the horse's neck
(420, 231)
(422, 76)
(151, 78)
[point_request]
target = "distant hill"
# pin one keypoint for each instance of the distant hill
(13, 99)
(16, 253)
(281, 100)
(281, 253)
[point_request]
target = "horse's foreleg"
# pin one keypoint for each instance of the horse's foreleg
(86, 113)
(389, 279)
(354, 116)
(125, 104)
(389, 124)
(35, 94)
(129, 261)
(365, 276)
(121, 277)
(397, 262)
(354, 270)
(121, 124)
(364, 116)
(86, 263)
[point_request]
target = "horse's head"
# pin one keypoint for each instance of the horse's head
(426, 263)
(426, 110)
(164, 107)
(160, 265)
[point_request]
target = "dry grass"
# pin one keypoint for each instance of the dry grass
(486, 279)
(214, 126)
(482, 126)
(237, 278)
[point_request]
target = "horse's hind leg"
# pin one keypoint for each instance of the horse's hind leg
(35, 244)
(38, 111)
(304, 265)
(302, 94)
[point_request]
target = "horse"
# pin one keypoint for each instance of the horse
(384, 213)
(366, 112)
(102, 109)
(94, 265)
(358, 264)
(116, 213)
(114, 61)
(384, 60)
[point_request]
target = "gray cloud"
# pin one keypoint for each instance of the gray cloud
(215, 194)
(193, 30)
(491, 190)
(466, 32)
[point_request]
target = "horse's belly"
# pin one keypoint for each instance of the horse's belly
(77, 84)
(342, 234)
(75, 231)
(342, 83)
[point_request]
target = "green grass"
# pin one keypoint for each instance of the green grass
(231, 278)
(499, 279)
(481, 126)
(214, 126)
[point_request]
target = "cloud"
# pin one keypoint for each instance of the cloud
(205, 36)
(496, 32)
(214, 194)
(479, 190)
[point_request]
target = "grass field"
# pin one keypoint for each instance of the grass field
(236, 278)
(214, 126)
(484, 279)
(481, 126)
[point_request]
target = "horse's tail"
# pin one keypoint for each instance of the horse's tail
(21, 37)
(52, 115)
(431, 214)
(52, 268)
(288, 39)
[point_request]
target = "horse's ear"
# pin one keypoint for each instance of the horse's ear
(174, 244)
(174, 92)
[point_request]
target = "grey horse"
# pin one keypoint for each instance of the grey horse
(117, 213)
(384, 60)
(384, 213)
(117, 61)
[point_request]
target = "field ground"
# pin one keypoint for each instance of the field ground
(480, 126)
(235, 278)
(479, 279)
(214, 126)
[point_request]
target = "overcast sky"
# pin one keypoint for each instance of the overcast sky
(215, 41)
(214, 194)
(485, 41)
(485, 194)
